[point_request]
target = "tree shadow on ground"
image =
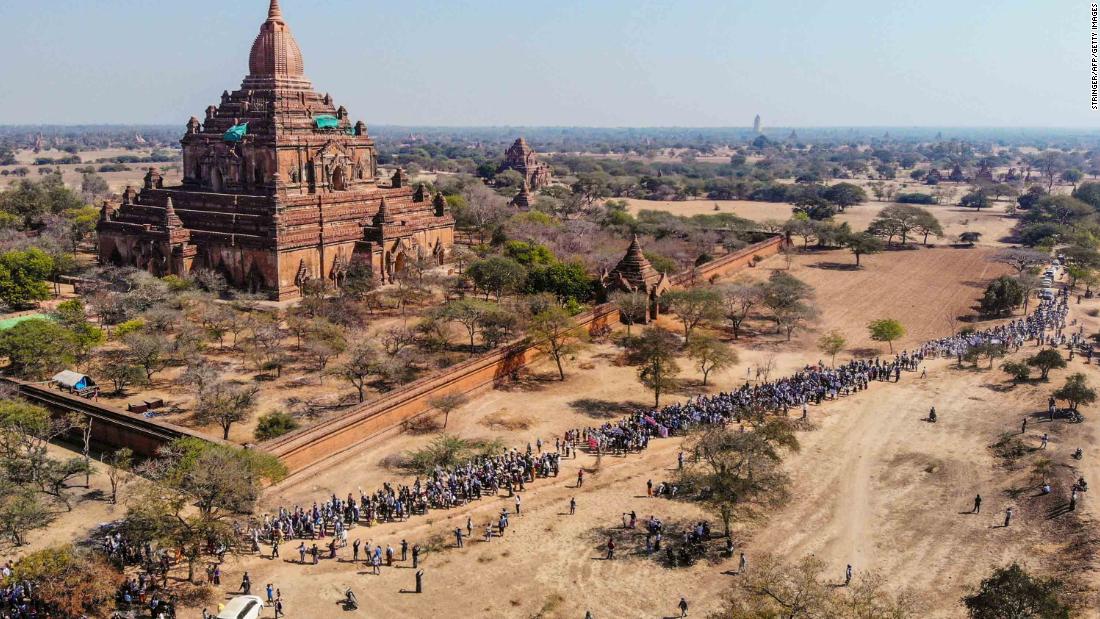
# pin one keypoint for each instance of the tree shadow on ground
(835, 266)
(605, 409)
(864, 352)
(630, 544)
(529, 381)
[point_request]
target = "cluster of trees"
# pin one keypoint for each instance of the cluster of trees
(35, 485)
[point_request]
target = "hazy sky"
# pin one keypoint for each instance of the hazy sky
(566, 62)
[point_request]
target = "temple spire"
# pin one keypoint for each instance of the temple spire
(274, 13)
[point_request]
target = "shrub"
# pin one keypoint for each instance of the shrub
(275, 424)
(915, 198)
(128, 327)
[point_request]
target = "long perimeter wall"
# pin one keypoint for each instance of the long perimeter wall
(388, 413)
(113, 427)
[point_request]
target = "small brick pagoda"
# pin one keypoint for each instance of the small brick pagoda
(523, 198)
(523, 159)
(634, 273)
(279, 188)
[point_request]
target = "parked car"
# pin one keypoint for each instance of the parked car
(242, 607)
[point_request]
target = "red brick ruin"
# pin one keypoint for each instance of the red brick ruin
(522, 158)
(279, 188)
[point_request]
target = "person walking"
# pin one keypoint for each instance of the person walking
(1008, 517)
(848, 575)
(683, 606)
(572, 505)
(246, 584)
(458, 537)
(1023, 426)
(275, 548)
(742, 564)
(279, 612)
(416, 555)
(517, 504)
(270, 593)
(649, 487)
(302, 553)
(610, 548)
(580, 477)
(355, 550)
(404, 550)
(1044, 441)
(419, 581)
(977, 505)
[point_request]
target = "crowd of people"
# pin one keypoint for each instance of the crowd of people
(488, 475)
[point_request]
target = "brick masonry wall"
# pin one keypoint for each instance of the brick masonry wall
(113, 427)
(388, 413)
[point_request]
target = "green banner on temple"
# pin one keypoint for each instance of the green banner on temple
(236, 133)
(326, 122)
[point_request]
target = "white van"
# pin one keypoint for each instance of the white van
(1046, 294)
(242, 607)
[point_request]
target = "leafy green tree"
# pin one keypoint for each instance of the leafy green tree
(970, 238)
(529, 254)
(1018, 370)
(710, 354)
(886, 330)
(1088, 193)
(845, 194)
(1076, 391)
(33, 201)
(1045, 361)
(694, 306)
(1001, 296)
(23, 277)
(739, 475)
(497, 275)
(654, 352)
(862, 244)
(568, 281)
(37, 349)
(832, 343)
(1012, 593)
(976, 200)
(274, 424)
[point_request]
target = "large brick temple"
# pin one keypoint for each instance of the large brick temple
(279, 188)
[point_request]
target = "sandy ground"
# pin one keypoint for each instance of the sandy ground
(992, 223)
(874, 485)
(116, 180)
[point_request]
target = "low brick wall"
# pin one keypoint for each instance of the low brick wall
(388, 413)
(112, 427)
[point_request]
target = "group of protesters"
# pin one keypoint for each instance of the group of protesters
(488, 475)
(329, 521)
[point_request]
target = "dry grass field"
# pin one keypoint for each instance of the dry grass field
(116, 180)
(992, 223)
